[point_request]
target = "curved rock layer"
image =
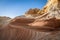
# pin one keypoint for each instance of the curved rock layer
(31, 29)
(12, 33)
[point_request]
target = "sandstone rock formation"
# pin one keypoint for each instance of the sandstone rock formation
(41, 25)
(36, 24)
(20, 29)
(32, 13)
(51, 10)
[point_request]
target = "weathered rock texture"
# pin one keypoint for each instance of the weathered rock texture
(32, 13)
(31, 27)
(51, 10)
(21, 29)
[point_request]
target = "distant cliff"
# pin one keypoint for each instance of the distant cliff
(4, 20)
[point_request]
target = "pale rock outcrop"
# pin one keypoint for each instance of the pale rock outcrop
(51, 10)
(32, 13)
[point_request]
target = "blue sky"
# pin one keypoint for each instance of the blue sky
(13, 8)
